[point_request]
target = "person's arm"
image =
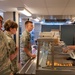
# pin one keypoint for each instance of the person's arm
(29, 53)
(13, 56)
(71, 47)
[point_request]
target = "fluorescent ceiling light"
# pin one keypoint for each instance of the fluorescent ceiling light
(37, 20)
(24, 11)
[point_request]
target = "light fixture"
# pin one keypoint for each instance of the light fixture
(37, 19)
(24, 11)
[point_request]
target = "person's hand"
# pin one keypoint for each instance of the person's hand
(11, 74)
(17, 49)
(65, 50)
(33, 56)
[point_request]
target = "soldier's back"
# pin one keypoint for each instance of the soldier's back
(4, 60)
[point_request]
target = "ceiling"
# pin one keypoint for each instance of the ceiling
(40, 7)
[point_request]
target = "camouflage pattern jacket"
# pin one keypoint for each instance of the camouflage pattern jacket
(25, 43)
(12, 48)
(5, 63)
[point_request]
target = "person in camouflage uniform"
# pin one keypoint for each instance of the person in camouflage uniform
(11, 28)
(1, 21)
(5, 63)
(25, 44)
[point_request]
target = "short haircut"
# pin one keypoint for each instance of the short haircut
(28, 22)
(1, 17)
(10, 24)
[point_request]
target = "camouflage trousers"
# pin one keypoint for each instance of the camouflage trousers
(7, 71)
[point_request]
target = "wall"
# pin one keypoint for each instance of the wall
(37, 30)
(67, 32)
